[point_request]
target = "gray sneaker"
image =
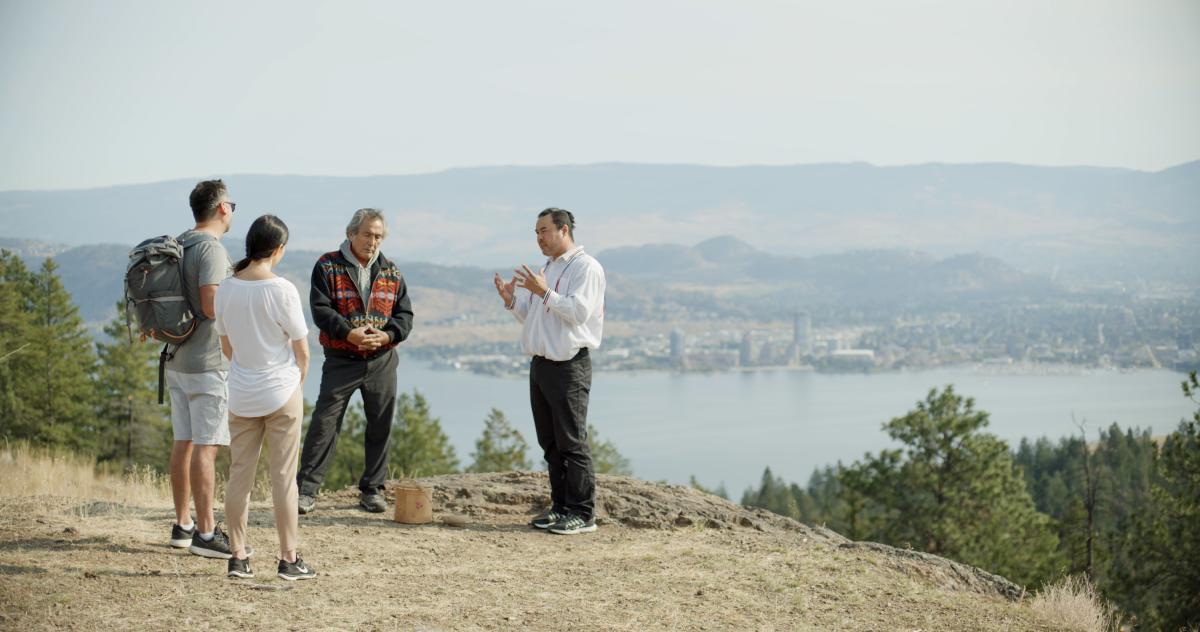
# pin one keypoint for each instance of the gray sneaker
(292, 571)
(239, 568)
(182, 538)
(547, 520)
(307, 504)
(216, 548)
(573, 524)
(372, 502)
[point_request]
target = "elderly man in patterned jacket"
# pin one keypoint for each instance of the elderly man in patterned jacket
(359, 301)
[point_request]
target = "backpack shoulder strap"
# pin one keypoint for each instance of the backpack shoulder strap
(196, 238)
(193, 239)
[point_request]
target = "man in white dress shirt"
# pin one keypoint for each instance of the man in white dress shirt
(561, 308)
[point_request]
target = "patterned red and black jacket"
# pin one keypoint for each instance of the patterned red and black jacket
(337, 307)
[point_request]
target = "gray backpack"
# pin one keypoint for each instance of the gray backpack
(154, 293)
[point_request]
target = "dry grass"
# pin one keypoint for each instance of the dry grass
(1074, 604)
(34, 471)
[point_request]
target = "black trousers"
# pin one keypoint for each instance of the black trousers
(340, 378)
(558, 394)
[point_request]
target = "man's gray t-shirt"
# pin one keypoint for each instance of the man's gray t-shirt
(206, 263)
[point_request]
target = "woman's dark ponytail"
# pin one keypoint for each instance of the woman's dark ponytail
(266, 234)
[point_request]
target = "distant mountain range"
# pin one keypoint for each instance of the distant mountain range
(723, 276)
(883, 275)
(1076, 222)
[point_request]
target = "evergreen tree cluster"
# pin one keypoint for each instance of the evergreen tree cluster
(58, 388)
(1123, 510)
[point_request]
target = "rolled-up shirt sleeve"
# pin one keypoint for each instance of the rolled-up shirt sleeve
(520, 308)
(584, 296)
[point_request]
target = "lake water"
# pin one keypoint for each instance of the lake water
(726, 427)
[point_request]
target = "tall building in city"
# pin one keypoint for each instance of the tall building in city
(746, 352)
(802, 332)
(678, 347)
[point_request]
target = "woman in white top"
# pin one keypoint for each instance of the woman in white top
(263, 333)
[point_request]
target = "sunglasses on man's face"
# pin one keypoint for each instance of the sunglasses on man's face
(232, 206)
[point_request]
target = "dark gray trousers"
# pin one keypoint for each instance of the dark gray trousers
(340, 378)
(558, 394)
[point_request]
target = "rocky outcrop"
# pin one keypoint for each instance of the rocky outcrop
(619, 499)
(639, 504)
(941, 571)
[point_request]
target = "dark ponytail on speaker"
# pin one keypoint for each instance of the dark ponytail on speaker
(265, 235)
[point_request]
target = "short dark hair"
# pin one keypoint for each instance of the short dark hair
(561, 217)
(265, 235)
(205, 198)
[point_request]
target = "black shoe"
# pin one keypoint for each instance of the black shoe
(573, 524)
(239, 568)
(306, 504)
(372, 502)
(292, 571)
(547, 520)
(182, 538)
(217, 548)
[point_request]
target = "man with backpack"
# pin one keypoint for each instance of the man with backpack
(196, 376)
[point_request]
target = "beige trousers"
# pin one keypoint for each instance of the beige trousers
(281, 429)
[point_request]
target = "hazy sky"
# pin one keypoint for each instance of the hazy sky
(99, 93)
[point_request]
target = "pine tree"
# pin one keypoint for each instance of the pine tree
(773, 494)
(1124, 476)
(501, 448)
(136, 429)
(821, 502)
(606, 459)
(954, 491)
(1167, 540)
(418, 446)
(17, 420)
(62, 394)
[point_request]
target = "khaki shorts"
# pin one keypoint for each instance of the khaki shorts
(199, 406)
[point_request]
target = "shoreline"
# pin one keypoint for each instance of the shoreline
(1017, 369)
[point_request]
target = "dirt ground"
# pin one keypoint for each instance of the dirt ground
(81, 565)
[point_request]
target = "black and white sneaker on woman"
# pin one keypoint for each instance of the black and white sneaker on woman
(573, 524)
(182, 538)
(239, 568)
(292, 571)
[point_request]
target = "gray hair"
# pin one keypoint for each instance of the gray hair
(364, 215)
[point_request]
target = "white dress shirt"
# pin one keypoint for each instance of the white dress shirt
(571, 314)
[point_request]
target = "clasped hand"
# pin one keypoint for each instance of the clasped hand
(367, 338)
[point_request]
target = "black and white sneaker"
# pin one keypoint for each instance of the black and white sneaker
(217, 548)
(306, 504)
(572, 525)
(239, 568)
(292, 571)
(547, 519)
(182, 538)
